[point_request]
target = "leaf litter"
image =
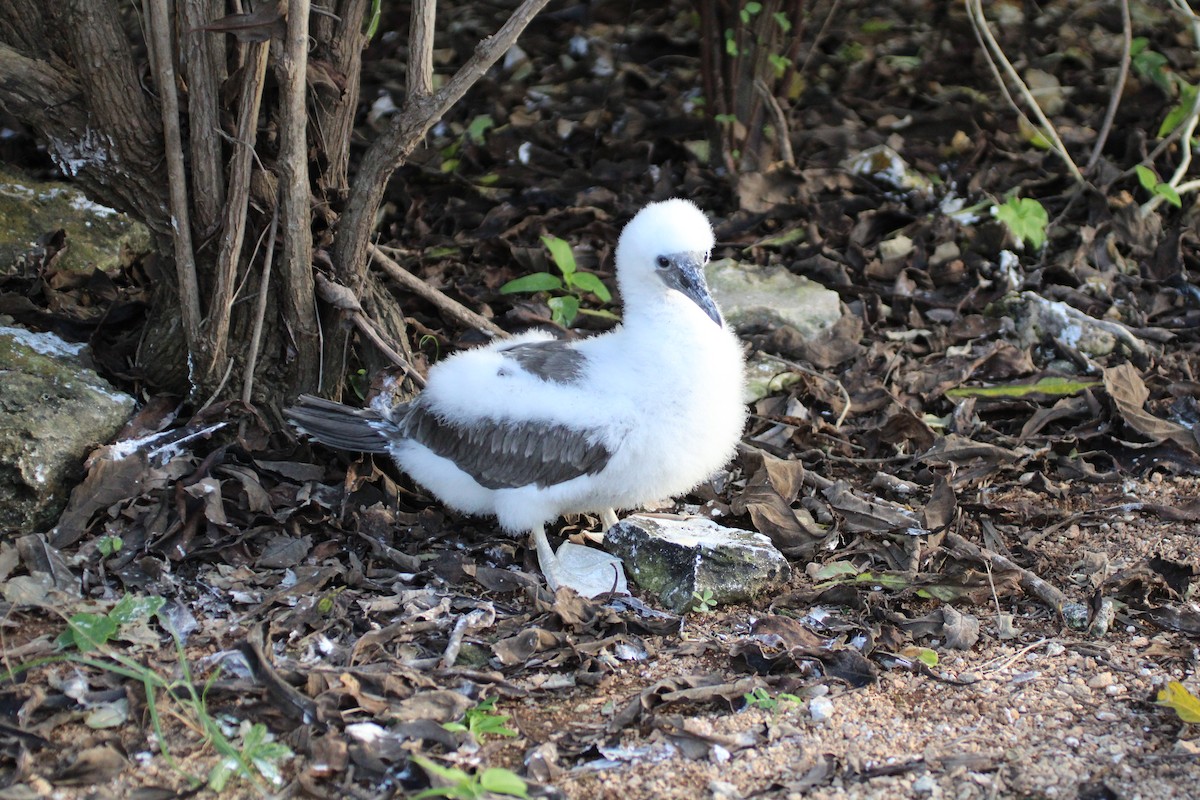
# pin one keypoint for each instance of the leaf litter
(994, 463)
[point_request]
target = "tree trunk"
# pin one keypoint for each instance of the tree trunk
(234, 190)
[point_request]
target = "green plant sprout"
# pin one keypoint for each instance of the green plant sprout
(760, 698)
(482, 720)
(1026, 220)
(86, 642)
(109, 545)
(564, 308)
(703, 602)
(1157, 188)
(463, 785)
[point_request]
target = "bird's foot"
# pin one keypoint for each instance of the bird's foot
(589, 571)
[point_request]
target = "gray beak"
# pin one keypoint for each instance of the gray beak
(684, 272)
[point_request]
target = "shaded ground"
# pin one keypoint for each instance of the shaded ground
(352, 617)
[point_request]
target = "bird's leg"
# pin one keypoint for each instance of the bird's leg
(608, 518)
(547, 561)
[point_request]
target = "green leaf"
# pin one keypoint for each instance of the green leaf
(1178, 113)
(1152, 184)
(1054, 387)
(560, 254)
(564, 309)
(109, 545)
(534, 282)
(1025, 218)
(87, 631)
(1181, 701)
(219, 775)
(778, 63)
(835, 569)
(781, 19)
(503, 781)
(134, 607)
(587, 282)
(1146, 177)
(1168, 193)
(479, 126)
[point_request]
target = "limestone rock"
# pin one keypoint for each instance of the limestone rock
(675, 558)
(752, 296)
(53, 411)
(30, 209)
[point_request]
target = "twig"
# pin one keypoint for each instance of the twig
(1186, 130)
(783, 140)
(234, 228)
(406, 130)
(1030, 582)
(1114, 99)
(451, 308)
(296, 198)
(260, 310)
(420, 49)
(345, 301)
(181, 228)
(995, 55)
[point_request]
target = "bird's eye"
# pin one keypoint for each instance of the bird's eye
(663, 262)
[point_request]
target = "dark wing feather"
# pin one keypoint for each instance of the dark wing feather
(553, 361)
(338, 425)
(503, 454)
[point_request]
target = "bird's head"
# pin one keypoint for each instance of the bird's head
(664, 248)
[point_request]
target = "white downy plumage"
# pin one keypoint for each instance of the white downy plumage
(530, 428)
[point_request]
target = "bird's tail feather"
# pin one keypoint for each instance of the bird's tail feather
(337, 425)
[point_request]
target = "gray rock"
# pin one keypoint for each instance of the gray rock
(31, 208)
(752, 296)
(675, 558)
(1037, 319)
(53, 411)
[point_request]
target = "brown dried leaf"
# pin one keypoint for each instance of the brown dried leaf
(1129, 393)
(108, 481)
(92, 766)
(769, 493)
(265, 23)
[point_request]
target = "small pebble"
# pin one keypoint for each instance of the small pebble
(820, 708)
(1100, 681)
(924, 785)
(723, 790)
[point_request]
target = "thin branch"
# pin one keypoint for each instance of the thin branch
(995, 55)
(1030, 582)
(779, 119)
(345, 301)
(407, 129)
(296, 198)
(1118, 89)
(236, 209)
(420, 50)
(1185, 130)
(185, 257)
(260, 310)
(449, 307)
